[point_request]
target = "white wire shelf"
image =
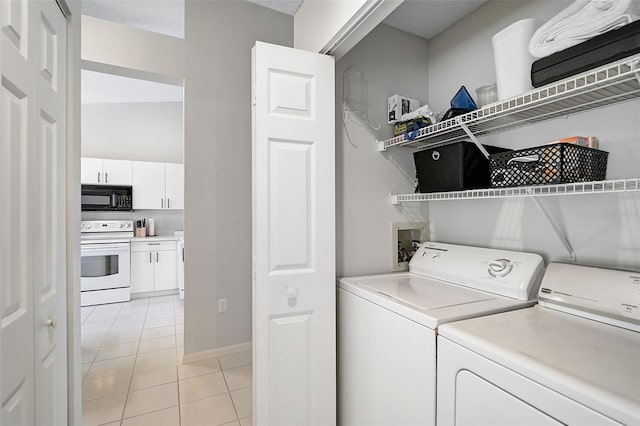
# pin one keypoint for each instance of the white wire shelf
(605, 186)
(607, 85)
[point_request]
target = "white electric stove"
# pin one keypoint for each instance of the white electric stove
(388, 324)
(573, 359)
(105, 268)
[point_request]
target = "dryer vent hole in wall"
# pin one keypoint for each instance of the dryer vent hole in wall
(222, 305)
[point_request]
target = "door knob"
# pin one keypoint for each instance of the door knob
(52, 322)
(291, 292)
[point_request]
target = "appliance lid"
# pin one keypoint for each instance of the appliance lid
(425, 300)
(605, 295)
(512, 274)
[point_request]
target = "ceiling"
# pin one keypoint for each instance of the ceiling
(423, 18)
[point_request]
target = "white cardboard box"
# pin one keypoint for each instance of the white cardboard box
(397, 105)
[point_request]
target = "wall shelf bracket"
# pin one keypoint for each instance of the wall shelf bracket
(561, 236)
(473, 138)
(394, 199)
(380, 146)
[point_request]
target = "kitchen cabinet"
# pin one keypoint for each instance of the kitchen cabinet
(154, 266)
(174, 185)
(158, 185)
(103, 171)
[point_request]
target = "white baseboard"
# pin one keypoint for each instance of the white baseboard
(198, 356)
(146, 294)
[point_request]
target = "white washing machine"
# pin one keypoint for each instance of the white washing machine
(387, 326)
(573, 359)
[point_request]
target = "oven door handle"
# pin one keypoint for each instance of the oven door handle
(92, 247)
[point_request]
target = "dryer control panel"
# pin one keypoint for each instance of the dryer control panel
(503, 272)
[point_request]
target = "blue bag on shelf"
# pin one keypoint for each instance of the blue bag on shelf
(461, 103)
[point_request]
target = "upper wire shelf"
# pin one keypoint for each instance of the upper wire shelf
(607, 85)
(600, 187)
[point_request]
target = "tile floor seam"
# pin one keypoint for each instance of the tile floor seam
(132, 371)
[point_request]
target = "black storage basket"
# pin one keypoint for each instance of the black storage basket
(547, 165)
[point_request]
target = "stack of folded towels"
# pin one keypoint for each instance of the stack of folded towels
(582, 20)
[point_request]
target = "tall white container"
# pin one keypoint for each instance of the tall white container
(512, 58)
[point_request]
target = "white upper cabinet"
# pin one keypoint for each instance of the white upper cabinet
(117, 172)
(158, 186)
(106, 172)
(174, 185)
(91, 170)
(148, 185)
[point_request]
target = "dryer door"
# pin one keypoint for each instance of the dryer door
(473, 390)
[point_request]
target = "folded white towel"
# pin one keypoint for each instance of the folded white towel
(582, 20)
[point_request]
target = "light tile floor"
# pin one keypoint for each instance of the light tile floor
(132, 371)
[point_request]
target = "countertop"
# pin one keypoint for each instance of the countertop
(157, 238)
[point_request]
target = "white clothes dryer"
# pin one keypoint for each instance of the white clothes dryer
(387, 326)
(573, 359)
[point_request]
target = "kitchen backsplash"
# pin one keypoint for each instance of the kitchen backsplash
(166, 221)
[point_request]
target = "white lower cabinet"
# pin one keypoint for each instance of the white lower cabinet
(153, 266)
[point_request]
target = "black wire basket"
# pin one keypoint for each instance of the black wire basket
(547, 165)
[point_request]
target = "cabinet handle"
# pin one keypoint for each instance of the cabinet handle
(168, 199)
(106, 177)
(157, 256)
(183, 254)
(98, 177)
(149, 257)
(162, 203)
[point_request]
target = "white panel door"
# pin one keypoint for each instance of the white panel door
(148, 185)
(17, 378)
(48, 207)
(174, 179)
(91, 170)
(117, 172)
(293, 237)
(32, 219)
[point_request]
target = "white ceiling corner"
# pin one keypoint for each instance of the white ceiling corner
(428, 18)
(285, 6)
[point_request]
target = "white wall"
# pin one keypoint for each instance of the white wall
(145, 131)
(603, 229)
(220, 35)
(214, 60)
(364, 176)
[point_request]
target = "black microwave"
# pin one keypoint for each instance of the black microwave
(107, 198)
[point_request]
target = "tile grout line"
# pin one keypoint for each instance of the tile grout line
(126, 399)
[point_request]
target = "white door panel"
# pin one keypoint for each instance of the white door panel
(16, 314)
(33, 132)
(293, 237)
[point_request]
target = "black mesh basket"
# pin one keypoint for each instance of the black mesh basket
(547, 165)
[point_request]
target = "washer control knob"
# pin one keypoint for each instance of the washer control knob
(500, 267)
(120, 225)
(435, 256)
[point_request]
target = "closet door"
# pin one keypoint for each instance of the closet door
(33, 374)
(293, 237)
